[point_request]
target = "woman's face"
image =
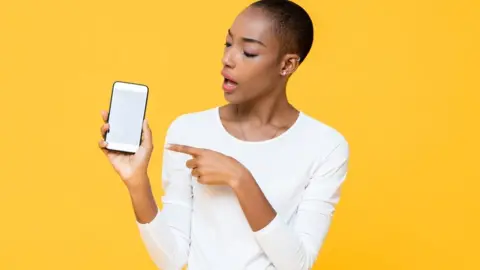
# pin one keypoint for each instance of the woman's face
(251, 62)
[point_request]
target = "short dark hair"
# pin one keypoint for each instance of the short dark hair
(292, 24)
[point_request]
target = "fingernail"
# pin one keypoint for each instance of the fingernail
(167, 145)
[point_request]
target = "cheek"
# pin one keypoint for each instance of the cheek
(259, 74)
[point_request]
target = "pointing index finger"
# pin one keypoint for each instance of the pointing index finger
(189, 150)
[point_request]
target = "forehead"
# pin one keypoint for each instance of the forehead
(254, 23)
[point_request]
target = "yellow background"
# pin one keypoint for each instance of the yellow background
(398, 78)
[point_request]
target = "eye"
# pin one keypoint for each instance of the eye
(227, 44)
(249, 54)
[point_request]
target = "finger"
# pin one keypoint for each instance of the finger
(195, 172)
(104, 115)
(189, 150)
(192, 163)
(202, 179)
(102, 144)
(147, 135)
(104, 128)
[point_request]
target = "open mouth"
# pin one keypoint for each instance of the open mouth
(229, 85)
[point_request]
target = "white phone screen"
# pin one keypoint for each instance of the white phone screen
(126, 116)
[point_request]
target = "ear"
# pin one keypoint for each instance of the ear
(289, 64)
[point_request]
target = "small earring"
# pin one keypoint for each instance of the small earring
(284, 73)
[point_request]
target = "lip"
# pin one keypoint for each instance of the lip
(228, 77)
(228, 88)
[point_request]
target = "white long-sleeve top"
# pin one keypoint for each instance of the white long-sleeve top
(300, 172)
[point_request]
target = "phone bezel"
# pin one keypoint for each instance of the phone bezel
(130, 86)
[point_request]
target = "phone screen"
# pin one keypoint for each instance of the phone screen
(126, 116)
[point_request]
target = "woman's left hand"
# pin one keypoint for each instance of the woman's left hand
(211, 167)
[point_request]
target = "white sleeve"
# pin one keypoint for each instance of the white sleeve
(167, 236)
(296, 246)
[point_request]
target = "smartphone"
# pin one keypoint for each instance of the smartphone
(128, 105)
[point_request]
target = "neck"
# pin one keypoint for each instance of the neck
(268, 109)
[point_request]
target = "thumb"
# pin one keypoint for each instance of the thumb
(147, 135)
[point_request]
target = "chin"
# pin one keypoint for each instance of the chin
(233, 98)
(239, 96)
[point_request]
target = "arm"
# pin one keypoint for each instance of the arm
(166, 232)
(143, 202)
(296, 246)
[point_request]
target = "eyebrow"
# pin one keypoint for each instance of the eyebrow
(251, 40)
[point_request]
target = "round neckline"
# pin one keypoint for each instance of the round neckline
(238, 140)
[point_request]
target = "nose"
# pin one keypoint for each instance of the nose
(228, 58)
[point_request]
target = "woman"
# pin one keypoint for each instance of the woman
(252, 184)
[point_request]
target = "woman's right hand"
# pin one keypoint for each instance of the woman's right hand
(132, 168)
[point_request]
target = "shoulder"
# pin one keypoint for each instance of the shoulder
(185, 123)
(322, 136)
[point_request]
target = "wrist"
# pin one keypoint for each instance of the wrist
(238, 182)
(138, 184)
